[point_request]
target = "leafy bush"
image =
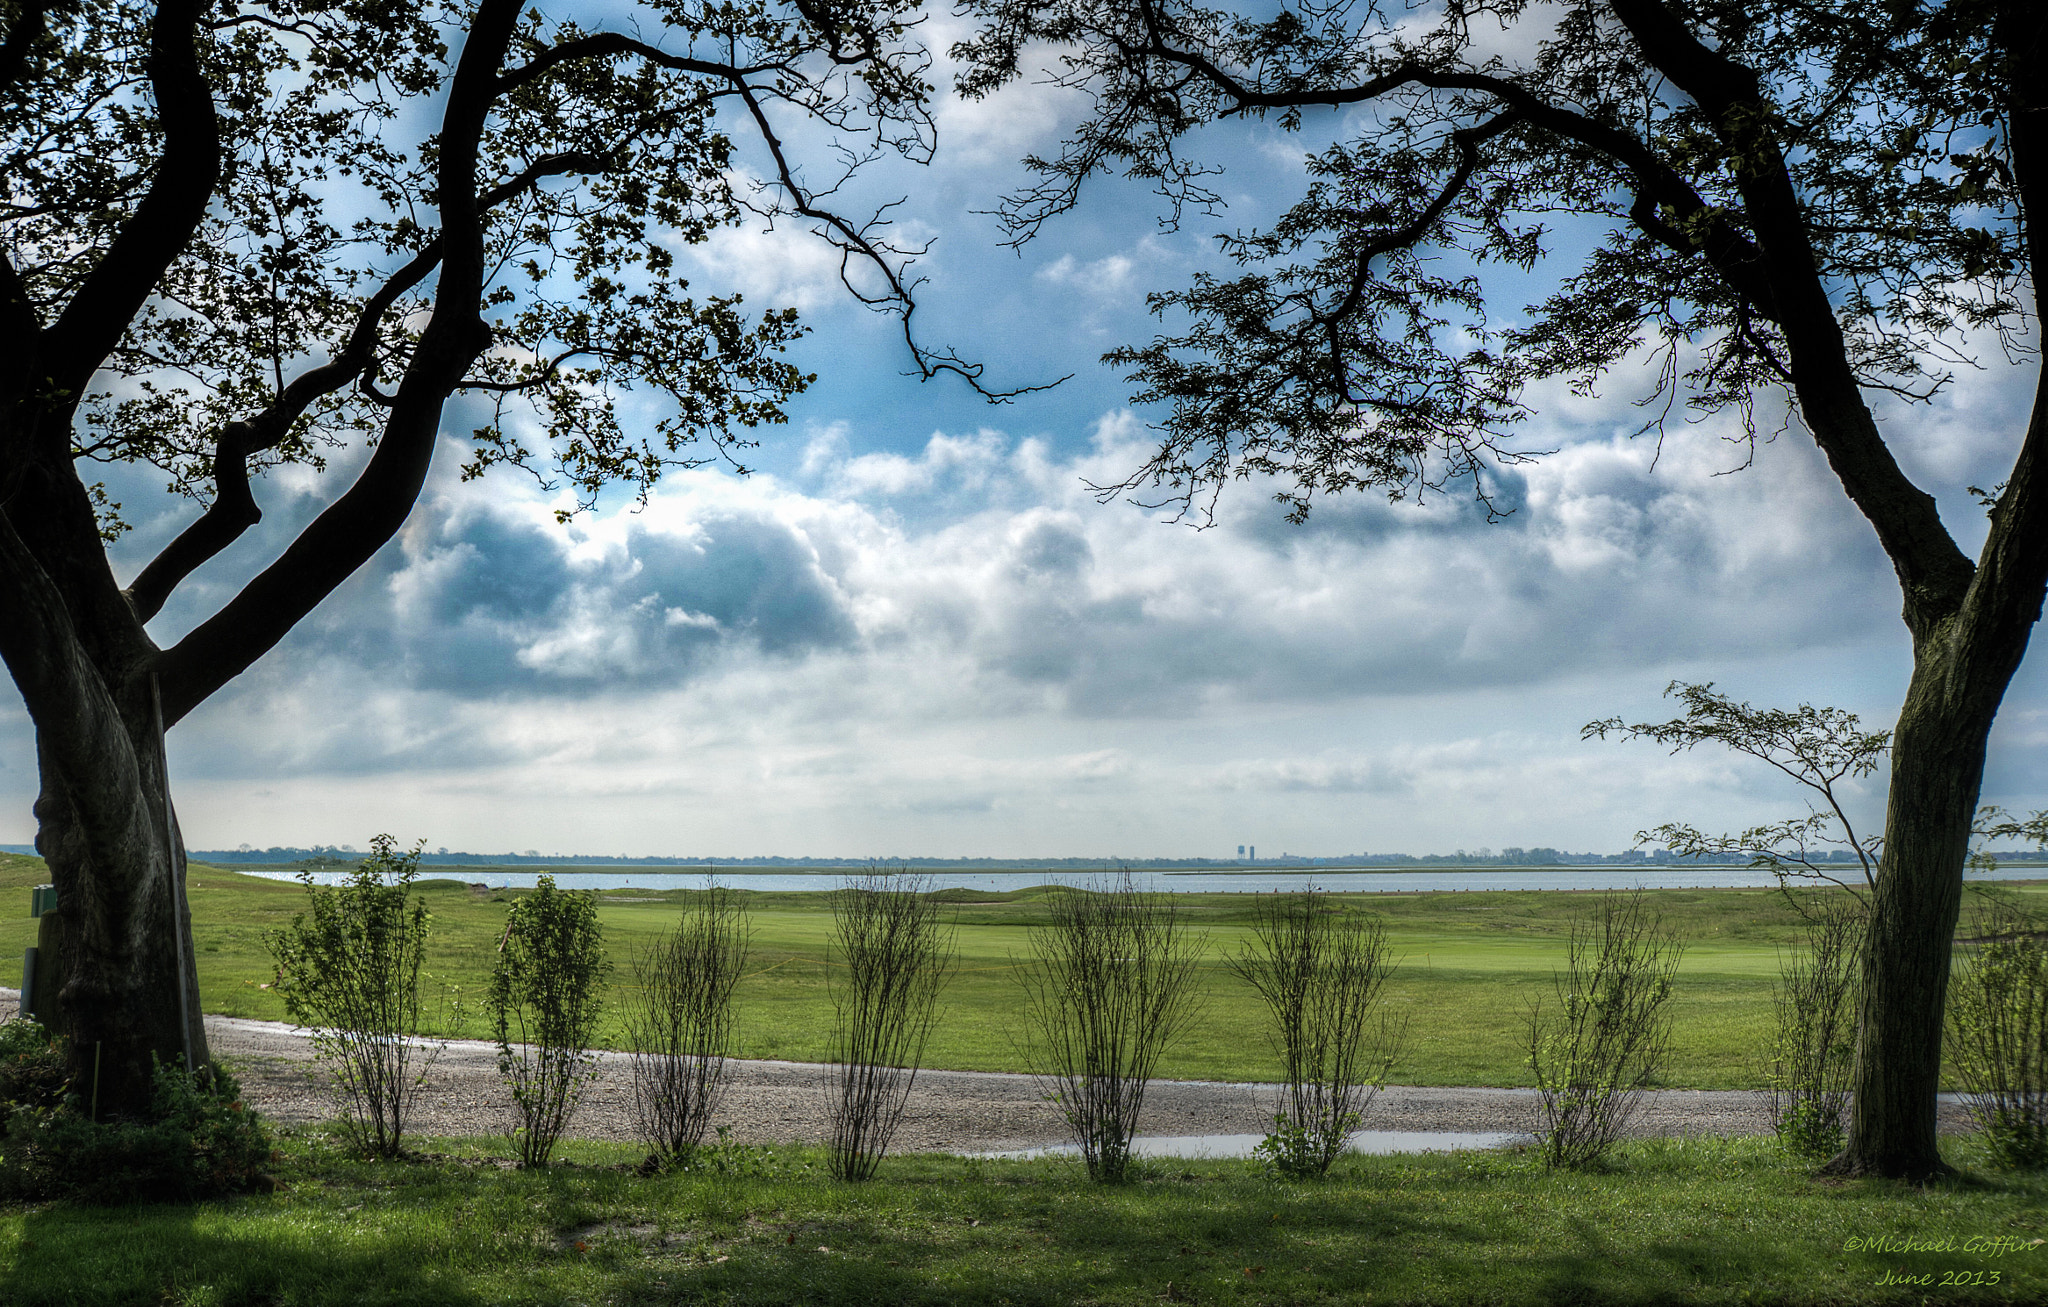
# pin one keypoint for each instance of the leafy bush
(1811, 1057)
(1109, 986)
(1998, 1032)
(198, 1141)
(545, 996)
(33, 1074)
(894, 955)
(351, 972)
(679, 1023)
(1595, 1053)
(1320, 970)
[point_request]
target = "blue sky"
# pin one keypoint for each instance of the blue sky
(915, 631)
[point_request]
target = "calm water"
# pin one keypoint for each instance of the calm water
(1365, 1141)
(1203, 882)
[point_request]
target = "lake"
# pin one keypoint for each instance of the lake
(1336, 879)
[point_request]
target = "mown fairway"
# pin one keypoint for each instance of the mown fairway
(1470, 965)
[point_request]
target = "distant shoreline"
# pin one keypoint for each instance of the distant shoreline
(912, 868)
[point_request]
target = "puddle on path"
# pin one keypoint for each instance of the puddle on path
(1220, 1146)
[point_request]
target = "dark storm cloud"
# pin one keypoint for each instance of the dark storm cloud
(753, 576)
(491, 602)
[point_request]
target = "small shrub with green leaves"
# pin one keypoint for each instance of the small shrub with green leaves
(198, 1141)
(1998, 1031)
(545, 997)
(1596, 1052)
(1811, 1060)
(1109, 986)
(1320, 970)
(349, 969)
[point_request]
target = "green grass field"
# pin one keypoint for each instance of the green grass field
(1702, 1222)
(1665, 1221)
(1470, 965)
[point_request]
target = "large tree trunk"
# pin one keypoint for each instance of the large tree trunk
(1937, 768)
(1962, 664)
(126, 993)
(128, 990)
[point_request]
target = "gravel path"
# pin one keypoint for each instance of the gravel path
(949, 1111)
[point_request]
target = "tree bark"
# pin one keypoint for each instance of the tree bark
(1937, 769)
(128, 988)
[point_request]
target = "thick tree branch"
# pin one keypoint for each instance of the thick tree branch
(1997, 617)
(1932, 571)
(1779, 273)
(29, 26)
(1657, 184)
(234, 509)
(607, 45)
(163, 222)
(358, 524)
(853, 243)
(19, 370)
(1331, 322)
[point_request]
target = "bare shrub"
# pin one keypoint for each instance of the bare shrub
(1320, 970)
(893, 955)
(1812, 1057)
(679, 1023)
(1109, 987)
(1998, 1031)
(546, 993)
(349, 971)
(1600, 1047)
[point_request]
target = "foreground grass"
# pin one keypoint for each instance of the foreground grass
(1470, 963)
(1698, 1222)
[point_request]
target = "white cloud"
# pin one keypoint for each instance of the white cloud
(1024, 117)
(1034, 666)
(964, 462)
(783, 266)
(1107, 276)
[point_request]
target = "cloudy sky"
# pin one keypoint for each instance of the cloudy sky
(915, 631)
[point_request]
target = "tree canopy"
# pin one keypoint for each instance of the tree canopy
(1799, 211)
(248, 234)
(1672, 152)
